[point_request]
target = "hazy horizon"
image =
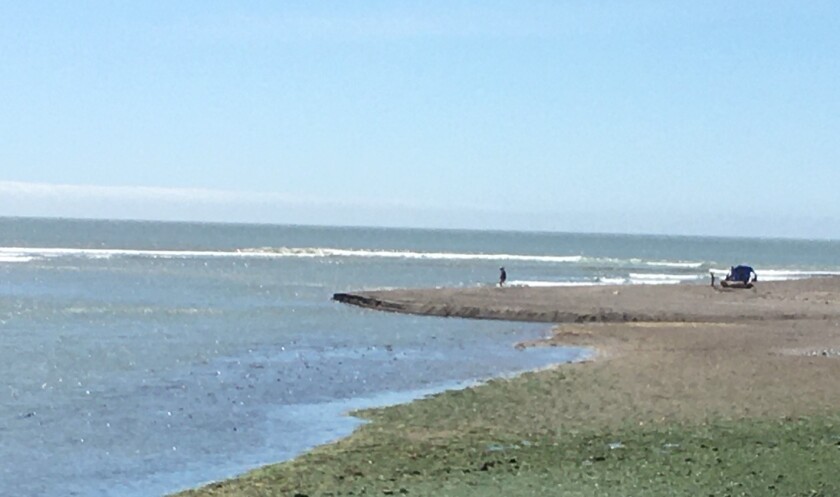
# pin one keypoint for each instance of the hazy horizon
(315, 220)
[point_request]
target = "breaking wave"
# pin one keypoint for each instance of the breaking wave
(14, 258)
(18, 253)
(408, 254)
(645, 278)
(25, 254)
(677, 264)
(785, 274)
(618, 271)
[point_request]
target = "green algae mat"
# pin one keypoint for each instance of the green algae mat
(488, 442)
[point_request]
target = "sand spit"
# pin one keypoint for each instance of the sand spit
(817, 298)
(687, 352)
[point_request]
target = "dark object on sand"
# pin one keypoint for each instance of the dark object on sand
(740, 277)
(502, 276)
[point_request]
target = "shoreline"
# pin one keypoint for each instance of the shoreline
(743, 359)
(346, 414)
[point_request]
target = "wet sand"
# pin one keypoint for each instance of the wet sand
(682, 352)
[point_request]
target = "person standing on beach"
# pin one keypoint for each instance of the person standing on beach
(502, 276)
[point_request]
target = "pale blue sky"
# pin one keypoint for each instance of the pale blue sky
(644, 117)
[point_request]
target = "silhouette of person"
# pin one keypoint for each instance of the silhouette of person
(502, 276)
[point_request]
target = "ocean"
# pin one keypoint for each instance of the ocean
(142, 358)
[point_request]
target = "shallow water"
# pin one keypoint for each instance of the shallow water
(142, 375)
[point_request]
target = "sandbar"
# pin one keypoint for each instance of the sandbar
(673, 352)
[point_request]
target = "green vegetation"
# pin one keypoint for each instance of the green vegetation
(515, 438)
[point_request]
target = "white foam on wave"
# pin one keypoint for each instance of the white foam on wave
(636, 262)
(14, 258)
(664, 277)
(780, 274)
(281, 252)
(19, 253)
(317, 252)
(676, 264)
(42, 253)
(408, 254)
(788, 274)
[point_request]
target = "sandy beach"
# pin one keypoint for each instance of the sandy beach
(815, 298)
(726, 369)
(670, 352)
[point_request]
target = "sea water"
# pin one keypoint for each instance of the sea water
(140, 358)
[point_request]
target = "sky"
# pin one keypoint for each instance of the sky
(699, 118)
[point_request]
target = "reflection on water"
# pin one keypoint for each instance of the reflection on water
(136, 377)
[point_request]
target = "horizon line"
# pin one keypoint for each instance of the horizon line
(207, 205)
(411, 228)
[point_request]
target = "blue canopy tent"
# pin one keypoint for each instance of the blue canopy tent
(743, 274)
